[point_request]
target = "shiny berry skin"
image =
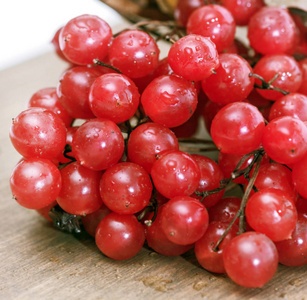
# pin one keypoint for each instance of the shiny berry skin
(211, 175)
(303, 87)
(135, 53)
(98, 144)
(125, 188)
(169, 100)
(293, 252)
(271, 30)
(73, 91)
(243, 10)
(91, 221)
(285, 140)
(210, 260)
(213, 21)
(299, 173)
(294, 105)
(231, 82)
(158, 241)
(80, 190)
(85, 38)
(277, 176)
(184, 220)
(38, 132)
(175, 173)
(114, 97)
(148, 140)
(271, 212)
(35, 183)
(119, 237)
(289, 74)
(225, 210)
(237, 128)
(183, 10)
(193, 57)
(250, 259)
(47, 98)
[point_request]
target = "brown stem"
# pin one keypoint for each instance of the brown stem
(267, 85)
(100, 63)
(240, 213)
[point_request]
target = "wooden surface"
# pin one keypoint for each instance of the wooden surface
(40, 262)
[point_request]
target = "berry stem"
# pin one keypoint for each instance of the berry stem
(267, 85)
(240, 213)
(100, 63)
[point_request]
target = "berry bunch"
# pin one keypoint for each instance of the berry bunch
(134, 170)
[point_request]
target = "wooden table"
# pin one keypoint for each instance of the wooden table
(40, 262)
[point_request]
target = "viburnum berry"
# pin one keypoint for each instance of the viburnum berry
(114, 97)
(38, 132)
(169, 100)
(125, 188)
(184, 220)
(272, 212)
(250, 259)
(98, 144)
(271, 30)
(175, 173)
(213, 21)
(119, 236)
(193, 57)
(35, 183)
(134, 52)
(285, 140)
(232, 82)
(148, 140)
(237, 128)
(85, 38)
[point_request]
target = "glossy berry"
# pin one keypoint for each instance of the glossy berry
(209, 259)
(294, 105)
(158, 241)
(285, 140)
(148, 140)
(98, 144)
(293, 252)
(175, 173)
(126, 188)
(183, 10)
(213, 21)
(47, 98)
(231, 82)
(35, 183)
(287, 70)
(272, 212)
(80, 190)
(73, 91)
(135, 53)
(85, 38)
(299, 173)
(169, 100)
(193, 57)
(119, 237)
(271, 30)
(210, 179)
(38, 132)
(184, 220)
(114, 97)
(250, 259)
(237, 128)
(91, 221)
(243, 10)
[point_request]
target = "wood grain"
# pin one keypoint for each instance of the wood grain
(40, 262)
